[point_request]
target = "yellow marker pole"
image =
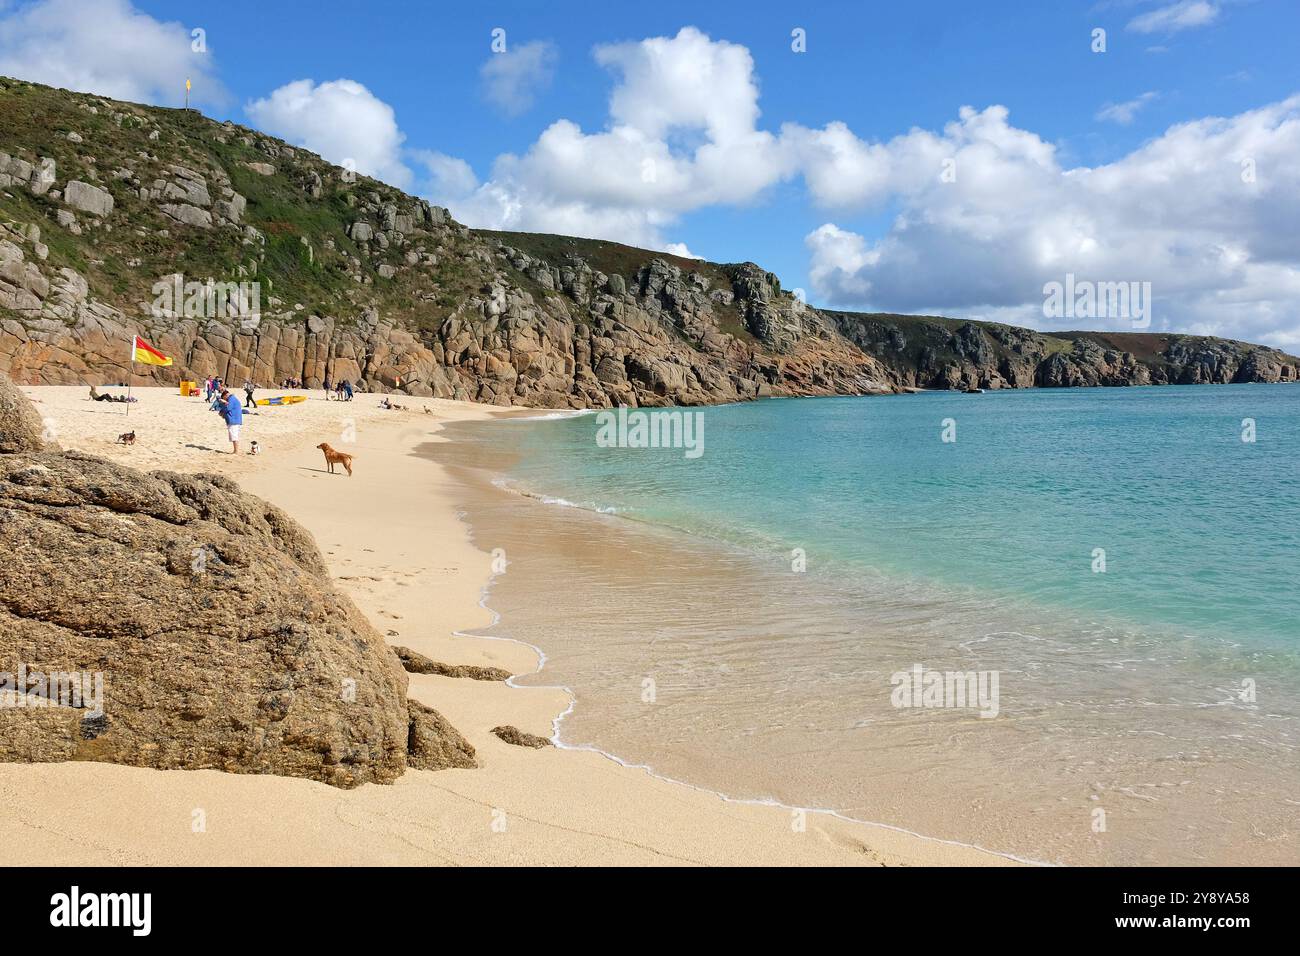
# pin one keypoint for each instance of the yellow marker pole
(187, 92)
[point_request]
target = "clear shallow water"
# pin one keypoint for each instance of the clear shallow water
(1119, 691)
(1200, 529)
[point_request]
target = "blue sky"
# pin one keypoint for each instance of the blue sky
(874, 233)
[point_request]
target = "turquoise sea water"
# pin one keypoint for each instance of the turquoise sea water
(769, 590)
(1200, 529)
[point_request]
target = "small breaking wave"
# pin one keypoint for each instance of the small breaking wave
(506, 485)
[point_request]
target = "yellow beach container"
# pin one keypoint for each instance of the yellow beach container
(187, 387)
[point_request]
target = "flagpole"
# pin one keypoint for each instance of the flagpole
(130, 378)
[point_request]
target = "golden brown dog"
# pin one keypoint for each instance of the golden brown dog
(333, 458)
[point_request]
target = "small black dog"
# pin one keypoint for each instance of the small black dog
(126, 438)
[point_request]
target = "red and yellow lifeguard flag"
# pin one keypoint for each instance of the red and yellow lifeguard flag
(142, 351)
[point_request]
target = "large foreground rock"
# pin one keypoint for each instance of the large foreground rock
(21, 428)
(219, 637)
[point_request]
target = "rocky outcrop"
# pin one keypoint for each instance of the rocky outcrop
(656, 343)
(1088, 364)
(88, 199)
(38, 177)
(933, 352)
(167, 621)
(434, 744)
(417, 663)
(21, 428)
(23, 286)
(187, 215)
(659, 341)
(515, 736)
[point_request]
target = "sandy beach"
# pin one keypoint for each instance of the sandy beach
(396, 544)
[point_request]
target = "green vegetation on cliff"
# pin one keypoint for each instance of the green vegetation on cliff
(102, 200)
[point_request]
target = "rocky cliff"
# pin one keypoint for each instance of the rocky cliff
(934, 352)
(167, 621)
(244, 257)
(241, 256)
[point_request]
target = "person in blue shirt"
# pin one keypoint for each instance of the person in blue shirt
(233, 413)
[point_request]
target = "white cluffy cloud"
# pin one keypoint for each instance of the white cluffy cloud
(666, 150)
(513, 78)
(680, 135)
(1203, 213)
(1124, 113)
(105, 47)
(446, 175)
(342, 121)
(1183, 15)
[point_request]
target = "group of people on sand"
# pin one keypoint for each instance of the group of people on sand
(340, 391)
(226, 404)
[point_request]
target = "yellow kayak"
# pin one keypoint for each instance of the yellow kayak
(282, 400)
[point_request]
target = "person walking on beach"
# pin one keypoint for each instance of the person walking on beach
(327, 388)
(207, 389)
(233, 413)
(249, 402)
